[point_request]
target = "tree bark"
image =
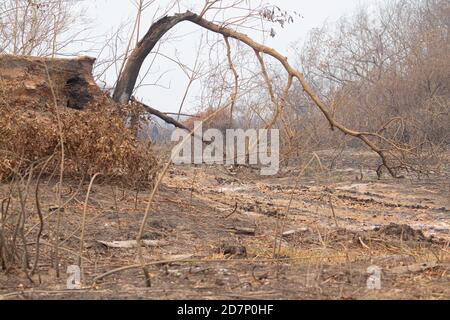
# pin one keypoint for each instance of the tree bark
(127, 80)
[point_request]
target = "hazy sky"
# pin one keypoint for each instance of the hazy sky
(107, 15)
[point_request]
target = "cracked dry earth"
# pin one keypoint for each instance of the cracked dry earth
(219, 228)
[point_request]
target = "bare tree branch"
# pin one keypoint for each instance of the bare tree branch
(128, 78)
(160, 115)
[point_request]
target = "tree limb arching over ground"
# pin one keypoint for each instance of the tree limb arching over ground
(127, 80)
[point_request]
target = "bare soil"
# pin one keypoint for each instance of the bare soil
(219, 226)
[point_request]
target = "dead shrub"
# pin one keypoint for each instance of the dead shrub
(95, 141)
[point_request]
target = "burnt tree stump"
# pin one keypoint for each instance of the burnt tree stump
(31, 81)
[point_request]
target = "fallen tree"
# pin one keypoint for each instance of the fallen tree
(127, 80)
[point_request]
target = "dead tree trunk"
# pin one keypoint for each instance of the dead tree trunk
(127, 80)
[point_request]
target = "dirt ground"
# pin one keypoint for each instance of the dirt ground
(212, 233)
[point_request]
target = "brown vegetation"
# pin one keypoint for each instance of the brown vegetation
(35, 92)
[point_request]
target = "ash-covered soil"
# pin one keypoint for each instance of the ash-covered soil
(228, 233)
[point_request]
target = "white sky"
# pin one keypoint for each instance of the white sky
(107, 15)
